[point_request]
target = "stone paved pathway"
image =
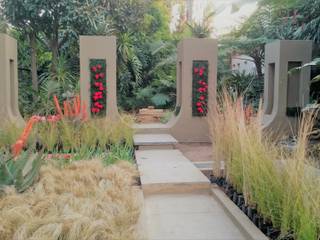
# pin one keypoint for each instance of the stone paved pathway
(178, 201)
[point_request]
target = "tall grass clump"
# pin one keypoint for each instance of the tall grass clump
(83, 136)
(9, 133)
(81, 201)
(281, 185)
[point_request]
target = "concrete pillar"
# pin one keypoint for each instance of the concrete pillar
(285, 94)
(187, 126)
(9, 107)
(105, 49)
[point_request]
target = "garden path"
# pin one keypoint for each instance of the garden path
(178, 199)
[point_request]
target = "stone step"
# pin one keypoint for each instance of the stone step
(154, 141)
(151, 128)
(168, 171)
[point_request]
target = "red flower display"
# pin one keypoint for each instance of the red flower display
(94, 69)
(98, 87)
(200, 110)
(200, 88)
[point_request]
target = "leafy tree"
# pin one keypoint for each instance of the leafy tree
(3, 23)
(56, 21)
(310, 21)
(25, 17)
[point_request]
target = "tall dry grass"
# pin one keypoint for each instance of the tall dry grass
(282, 185)
(84, 200)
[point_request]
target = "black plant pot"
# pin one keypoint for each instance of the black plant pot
(220, 181)
(244, 208)
(273, 233)
(235, 197)
(257, 219)
(213, 179)
(240, 200)
(251, 212)
(263, 227)
(230, 193)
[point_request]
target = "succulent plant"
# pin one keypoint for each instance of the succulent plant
(20, 172)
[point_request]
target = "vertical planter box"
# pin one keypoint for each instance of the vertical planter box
(98, 87)
(200, 88)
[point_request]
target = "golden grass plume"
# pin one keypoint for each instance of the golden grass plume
(84, 200)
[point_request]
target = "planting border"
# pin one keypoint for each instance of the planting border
(251, 211)
(200, 88)
(98, 87)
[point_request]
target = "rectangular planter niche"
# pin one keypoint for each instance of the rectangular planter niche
(200, 88)
(98, 87)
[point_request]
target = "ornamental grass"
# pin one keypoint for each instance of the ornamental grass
(283, 186)
(72, 135)
(84, 200)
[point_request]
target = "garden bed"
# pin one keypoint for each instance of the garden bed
(84, 200)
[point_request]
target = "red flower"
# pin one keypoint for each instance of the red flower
(93, 69)
(196, 70)
(204, 83)
(99, 66)
(200, 109)
(97, 76)
(201, 98)
(101, 88)
(102, 75)
(200, 90)
(198, 104)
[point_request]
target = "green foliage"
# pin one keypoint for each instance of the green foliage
(119, 152)
(204, 28)
(3, 23)
(78, 137)
(21, 172)
(9, 133)
(250, 86)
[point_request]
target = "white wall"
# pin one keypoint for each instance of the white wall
(243, 63)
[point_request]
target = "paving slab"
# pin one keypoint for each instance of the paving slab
(148, 128)
(190, 216)
(153, 139)
(237, 216)
(168, 170)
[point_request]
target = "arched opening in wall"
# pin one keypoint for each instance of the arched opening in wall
(270, 88)
(293, 90)
(155, 97)
(12, 85)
